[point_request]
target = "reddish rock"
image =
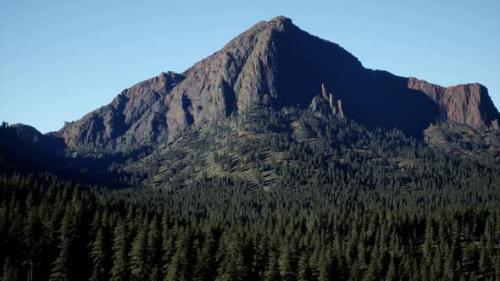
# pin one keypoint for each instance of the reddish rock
(467, 104)
(274, 64)
(134, 118)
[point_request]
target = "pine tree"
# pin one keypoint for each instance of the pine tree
(272, 271)
(484, 257)
(497, 268)
(324, 266)
(62, 266)
(428, 242)
(138, 257)
(119, 270)
(153, 247)
(98, 256)
(286, 266)
(9, 272)
(232, 266)
(451, 270)
(355, 272)
(31, 238)
(167, 244)
(391, 271)
(205, 267)
(303, 269)
(374, 267)
(179, 268)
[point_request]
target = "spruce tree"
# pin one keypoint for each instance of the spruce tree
(62, 268)
(98, 256)
(179, 268)
(272, 271)
(232, 265)
(9, 272)
(138, 257)
(286, 264)
(119, 270)
(303, 269)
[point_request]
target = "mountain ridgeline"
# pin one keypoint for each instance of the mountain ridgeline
(274, 64)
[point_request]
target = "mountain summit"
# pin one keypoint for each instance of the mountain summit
(275, 64)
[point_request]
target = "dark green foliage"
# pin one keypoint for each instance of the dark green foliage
(9, 272)
(342, 203)
(312, 245)
(98, 256)
(138, 256)
(119, 270)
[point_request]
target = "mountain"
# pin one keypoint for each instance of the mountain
(274, 64)
(174, 124)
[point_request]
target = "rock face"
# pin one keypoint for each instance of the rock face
(274, 64)
(137, 116)
(467, 104)
(326, 104)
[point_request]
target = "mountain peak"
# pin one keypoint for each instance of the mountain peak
(275, 64)
(280, 22)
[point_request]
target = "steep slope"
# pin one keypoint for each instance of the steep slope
(136, 117)
(259, 146)
(274, 64)
(266, 148)
(467, 104)
(464, 140)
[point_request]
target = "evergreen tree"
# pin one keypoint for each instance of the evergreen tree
(179, 269)
(31, 238)
(119, 270)
(497, 268)
(98, 257)
(373, 271)
(62, 269)
(286, 264)
(484, 258)
(138, 257)
(303, 269)
(272, 271)
(391, 271)
(153, 247)
(206, 267)
(9, 272)
(232, 266)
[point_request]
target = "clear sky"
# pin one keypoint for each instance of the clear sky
(60, 59)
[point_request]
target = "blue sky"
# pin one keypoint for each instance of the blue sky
(62, 59)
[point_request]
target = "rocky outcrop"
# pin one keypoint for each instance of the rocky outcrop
(467, 104)
(26, 133)
(136, 117)
(326, 104)
(274, 64)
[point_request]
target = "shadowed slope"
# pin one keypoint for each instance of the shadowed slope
(274, 64)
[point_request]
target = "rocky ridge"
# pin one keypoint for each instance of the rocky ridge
(275, 64)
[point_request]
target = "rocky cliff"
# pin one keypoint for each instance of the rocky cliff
(136, 117)
(467, 104)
